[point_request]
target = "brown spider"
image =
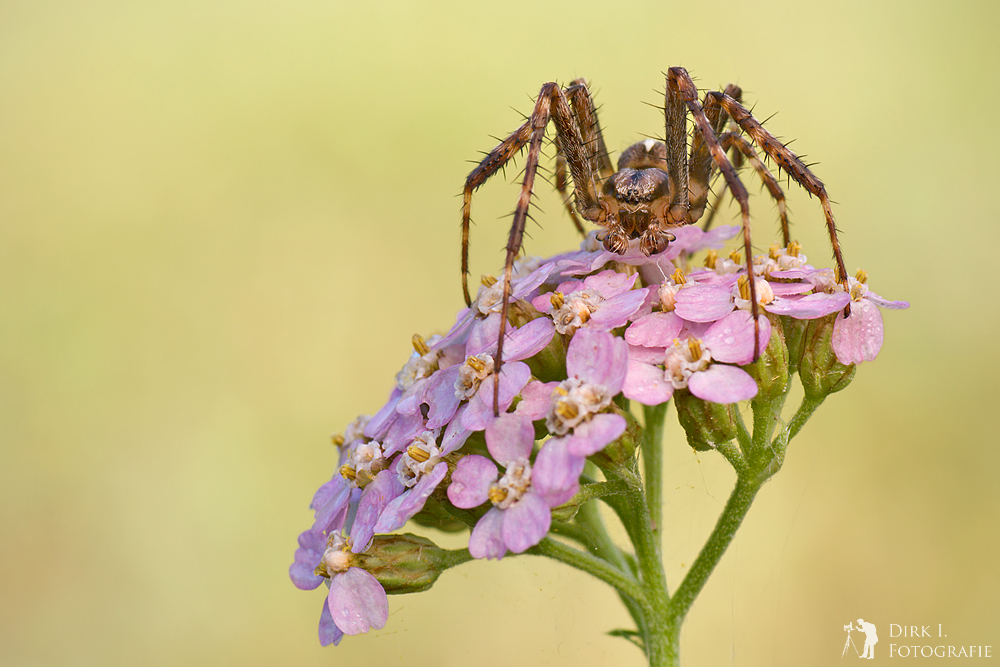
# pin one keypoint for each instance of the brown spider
(657, 186)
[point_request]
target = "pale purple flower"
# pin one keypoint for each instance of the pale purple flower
(356, 601)
(596, 365)
(603, 301)
(522, 497)
(398, 493)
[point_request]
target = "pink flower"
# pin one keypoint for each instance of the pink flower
(694, 363)
(522, 497)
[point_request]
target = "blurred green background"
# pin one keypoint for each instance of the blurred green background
(222, 221)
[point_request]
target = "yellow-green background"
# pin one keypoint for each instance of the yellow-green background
(220, 223)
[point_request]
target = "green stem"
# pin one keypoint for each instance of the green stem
(592, 524)
(652, 461)
(725, 528)
(802, 415)
(606, 572)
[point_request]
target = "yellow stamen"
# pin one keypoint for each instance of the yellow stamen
(794, 248)
(420, 345)
(694, 346)
(337, 439)
(497, 495)
(348, 473)
(736, 257)
(862, 276)
(476, 364)
(774, 252)
(566, 410)
(678, 277)
(417, 454)
(557, 299)
(710, 259)
(488, 281)
(744, 285)
(857, 291)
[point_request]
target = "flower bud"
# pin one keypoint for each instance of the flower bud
(403, 563)
(819, 369)
(623, 448)
(770, 371)
(706, 424)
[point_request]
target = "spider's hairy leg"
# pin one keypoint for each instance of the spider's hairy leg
(552, 104)
(675, 139)
(792, 165)
(491, 164)
(561, 187)
(681, 89)
(590, 128)
(733, 140)
(702, 165)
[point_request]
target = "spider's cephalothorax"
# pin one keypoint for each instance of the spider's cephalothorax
(658, 185)
(635, 200)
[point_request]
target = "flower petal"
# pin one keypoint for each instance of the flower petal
(593, 436)
(510, 437)
(312, 543)
(809, 307)
(859, 337)
(526, 522)
(403, 507)
(379, 493)
(486, 540)
(599, 358)
(731, 339)
(556, 473)
(646, 383)
(703, 303)
(357, 602)
(723, 384)
(654, 330)
(329, 633)
(471, 481)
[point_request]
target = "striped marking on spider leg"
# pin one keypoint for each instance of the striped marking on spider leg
(733, 140)
(795, 168)
(680, 85)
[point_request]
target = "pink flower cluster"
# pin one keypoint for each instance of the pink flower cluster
(589, 330)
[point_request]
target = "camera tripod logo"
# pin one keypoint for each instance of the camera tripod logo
(870, 639)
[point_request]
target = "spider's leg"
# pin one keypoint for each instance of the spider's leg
(702, 165)
(590, 128)
(551, 103)
(675, 139)
(788, 161)
(733, 140)
(491, 164)
(561, 187)
(682, 91)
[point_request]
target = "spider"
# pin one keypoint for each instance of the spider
(658, 186)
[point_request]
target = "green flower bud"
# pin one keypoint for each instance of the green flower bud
(706, 424)
(404, 563)
(622, 449)
(819, 369)
(771, 369)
